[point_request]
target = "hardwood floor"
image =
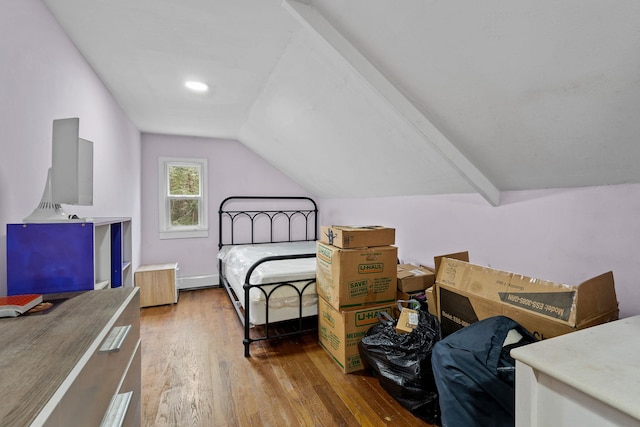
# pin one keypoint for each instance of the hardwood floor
(194, 374)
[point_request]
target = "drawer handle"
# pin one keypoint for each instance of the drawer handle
(115, 339)
(117, 410)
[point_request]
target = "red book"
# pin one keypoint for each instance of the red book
(15, 305)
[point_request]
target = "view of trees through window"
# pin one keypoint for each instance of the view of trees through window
(184, 195)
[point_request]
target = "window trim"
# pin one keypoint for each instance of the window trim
(184, 232)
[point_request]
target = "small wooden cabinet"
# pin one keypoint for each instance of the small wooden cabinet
(157, 283)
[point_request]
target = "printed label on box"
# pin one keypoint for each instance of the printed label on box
(358, 288)
(553, 304)
(334, 341)
(381, 285)
(456, 312)
(324, 254)
(353, 362)
(371, 268)
(368, 317)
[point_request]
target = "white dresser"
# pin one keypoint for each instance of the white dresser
(78, 365)
(588, 378)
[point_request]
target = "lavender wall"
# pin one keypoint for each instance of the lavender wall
(233, 170)
(561, 235)
(566, 235)
(43, 77)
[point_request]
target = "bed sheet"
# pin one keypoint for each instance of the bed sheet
(239, 258)
(283, 304)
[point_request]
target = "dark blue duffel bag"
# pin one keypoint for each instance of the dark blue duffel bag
(475, 374)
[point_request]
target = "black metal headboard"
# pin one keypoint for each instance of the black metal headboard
(266, 219)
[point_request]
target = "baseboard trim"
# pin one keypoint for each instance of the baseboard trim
(195, 282)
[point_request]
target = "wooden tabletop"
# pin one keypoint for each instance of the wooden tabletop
(39, 351)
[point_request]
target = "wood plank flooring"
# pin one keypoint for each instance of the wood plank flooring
(194, 374)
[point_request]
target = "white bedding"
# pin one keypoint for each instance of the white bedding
(283, 304)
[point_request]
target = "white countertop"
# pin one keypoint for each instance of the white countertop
(602, 361)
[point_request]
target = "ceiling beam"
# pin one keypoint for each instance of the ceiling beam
(310, 18)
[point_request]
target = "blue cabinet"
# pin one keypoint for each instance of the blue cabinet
(65, 257)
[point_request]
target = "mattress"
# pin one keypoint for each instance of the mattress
(284, 302)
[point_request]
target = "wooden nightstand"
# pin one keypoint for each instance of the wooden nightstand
(157, 283)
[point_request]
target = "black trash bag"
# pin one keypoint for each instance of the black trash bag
(402, 364)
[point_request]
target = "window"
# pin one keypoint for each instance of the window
(183, 201)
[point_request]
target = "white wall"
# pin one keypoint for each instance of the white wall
(233, 170)
(565, 235)
(43, 77)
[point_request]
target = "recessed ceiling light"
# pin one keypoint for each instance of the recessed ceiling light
(196, 86)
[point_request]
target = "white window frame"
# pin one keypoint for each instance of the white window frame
(167, 231)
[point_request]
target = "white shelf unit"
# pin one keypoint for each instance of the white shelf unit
(102, 259)
(112, 237)
(75, 256)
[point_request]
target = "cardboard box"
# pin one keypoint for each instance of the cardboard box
(428, 293)
(349, 237)
(467, 293)
(407, 321)
(432, 301)
(349, 278)
(431, 294)
(413, 278)
(400, 295)
(462, 256)
(339, 332)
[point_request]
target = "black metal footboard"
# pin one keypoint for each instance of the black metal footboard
(289, 223)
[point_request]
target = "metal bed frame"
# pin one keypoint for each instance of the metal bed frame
(230, 218)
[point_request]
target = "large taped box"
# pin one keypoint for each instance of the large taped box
(467, 293)
(413, 278)
(352, 236)
(339, 332)
(349, 278)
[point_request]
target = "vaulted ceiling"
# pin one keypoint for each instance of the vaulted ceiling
(374, 98)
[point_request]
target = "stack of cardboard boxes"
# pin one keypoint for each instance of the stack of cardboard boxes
(356, 277)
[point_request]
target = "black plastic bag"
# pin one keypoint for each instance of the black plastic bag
(402, 364)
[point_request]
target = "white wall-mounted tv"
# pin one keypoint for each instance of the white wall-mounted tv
(70, 177)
